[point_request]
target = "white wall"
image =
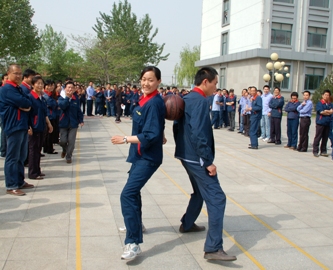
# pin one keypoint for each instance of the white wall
(211, 28)
(245, 25)
(244, 29)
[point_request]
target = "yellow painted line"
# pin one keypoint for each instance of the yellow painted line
(280, 235)
(278, 176)
(77, 206)
(258, 264)
(265, 225)
(288, 168)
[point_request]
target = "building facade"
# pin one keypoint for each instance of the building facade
(238, 37)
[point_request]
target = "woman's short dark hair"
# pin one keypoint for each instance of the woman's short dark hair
(294, 94)
(154, 69)
(278, 88)
(203, 73)
(36, 79)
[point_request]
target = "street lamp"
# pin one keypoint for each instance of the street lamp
(275, 66)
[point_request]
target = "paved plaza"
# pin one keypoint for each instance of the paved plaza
(278, 215)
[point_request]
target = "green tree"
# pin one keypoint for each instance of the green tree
(186, 70)
(56, 61)
(18, 36)
(327, 83)
(136, 36)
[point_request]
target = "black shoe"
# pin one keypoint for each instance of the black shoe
(219, 255)
(278, 143)
(230, 129)
(195, 228)
(253, 147)
(240, 132)
(301, 150)
(316, 154)
(324, 154)
(271, 141)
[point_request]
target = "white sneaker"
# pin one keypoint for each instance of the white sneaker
(260, 138)
(266, 140)
(131, 251)
(123, 229)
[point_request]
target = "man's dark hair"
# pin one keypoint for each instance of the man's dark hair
(168, 88)
(294, 94)
(327, 91)
(232, 90)
(260, 92)
(208, 73)
(69, 82)
(306, 91)
(253, 87)
(49, 82)
(29, 72)
(266, 85)
(278, 88)
(3, 76)
(69, 79)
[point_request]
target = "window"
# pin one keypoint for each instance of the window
(313, 78)
(222, 78)
(317, 37)
(281, 33)
(224, 49)
(319, 3)
(285, 1)
(284, 85)
(226, 12)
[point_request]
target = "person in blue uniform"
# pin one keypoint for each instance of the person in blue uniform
(39, 122)
(231, 108)
(134, 99)
(99, 97)
(145, 154)
(324, 109)
(292, 121)
(195, 149)
(305, 113)
(14, 110)
(52, 111)
(276, 104)
(255, 117)
(71, 117)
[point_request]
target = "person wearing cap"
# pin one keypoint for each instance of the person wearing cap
(71, 117)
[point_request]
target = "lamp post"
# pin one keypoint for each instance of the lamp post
(275, 66)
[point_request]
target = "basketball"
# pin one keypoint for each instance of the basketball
(174, 107)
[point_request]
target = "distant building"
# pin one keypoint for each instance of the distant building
(238, 37)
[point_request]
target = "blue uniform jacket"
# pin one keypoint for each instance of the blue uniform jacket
(135, 98)
(324, 120)
(71, 114)
(52, 106)
(256, 106)
(38, 112)
(12, 98)
(195, 140)
(276, 104)
(291, 109)
(26, 88)
(231, 108)
(148, 126)
(99, 96)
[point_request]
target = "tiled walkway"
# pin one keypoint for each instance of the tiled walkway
(278, 216)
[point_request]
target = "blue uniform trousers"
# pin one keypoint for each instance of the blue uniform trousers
(17, 150)
(130, 199)
(205, 188)
(108, 108)
(215, 118)
(254, 124)
(292, 132)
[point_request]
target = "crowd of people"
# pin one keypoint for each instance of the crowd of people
(260, 114)
(35, 114)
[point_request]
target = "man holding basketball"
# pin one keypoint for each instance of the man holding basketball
(195, 148)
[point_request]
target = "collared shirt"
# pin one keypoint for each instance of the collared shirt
(266, 98)
(305, 110)
(216, 107)
(90, 92)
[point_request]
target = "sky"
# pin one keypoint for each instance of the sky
(178, 22)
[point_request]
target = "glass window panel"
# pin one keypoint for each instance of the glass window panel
(319, 71)
(286, 27)
(285, 1)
